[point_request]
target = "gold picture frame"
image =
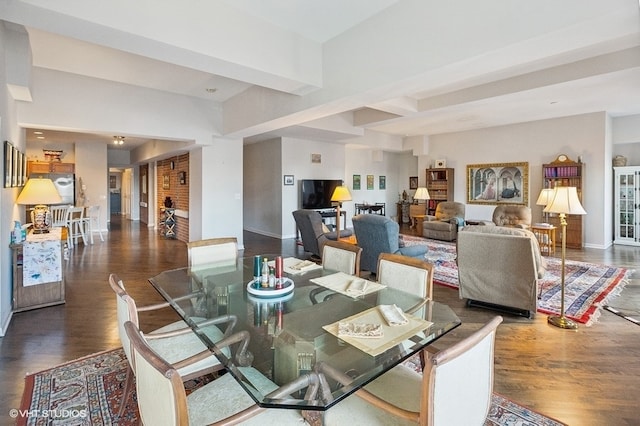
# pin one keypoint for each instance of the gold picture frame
(498, 183)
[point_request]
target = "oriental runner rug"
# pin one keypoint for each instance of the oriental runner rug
(87, 391)
(588, 286)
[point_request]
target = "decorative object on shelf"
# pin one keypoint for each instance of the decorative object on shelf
(340, 194)
(288, 179)
(441, 164)
(168, 202)
(619, 161)
(564, 201)
(52, 154)
(356, 182)
(498, 183)
(413, 182)
(543, 200)
(39, 192)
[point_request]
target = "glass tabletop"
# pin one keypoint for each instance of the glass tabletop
(290, 332)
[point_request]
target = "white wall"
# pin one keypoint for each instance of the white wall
(537, 143)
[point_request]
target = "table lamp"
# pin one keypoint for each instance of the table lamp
(39, 192)
(340, 194)
(421, 194)
(564, 201)
(543, 200)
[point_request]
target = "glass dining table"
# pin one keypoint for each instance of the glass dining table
(295, 330)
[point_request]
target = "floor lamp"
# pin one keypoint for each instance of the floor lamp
(543, 200)
(340, 194)
(564, 201)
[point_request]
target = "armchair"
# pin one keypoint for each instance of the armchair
(313, 235)
(378, 234)
(444, 225)
(512, 215)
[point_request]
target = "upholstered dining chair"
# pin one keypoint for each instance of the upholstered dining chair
(212, 250)
(162, 399)
(176, 342)
(378, 234)
(341, 256)
(405, 273)
(454, 389)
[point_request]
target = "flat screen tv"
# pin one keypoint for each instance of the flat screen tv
(316, 193)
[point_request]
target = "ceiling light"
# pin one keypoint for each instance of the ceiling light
(37, 133)
(211, 89)
(39, 137)
(118, 140)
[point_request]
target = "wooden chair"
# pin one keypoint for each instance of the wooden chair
(176, 342)
(162, 399)
(210, 250)
(341, 256)
(455, 388)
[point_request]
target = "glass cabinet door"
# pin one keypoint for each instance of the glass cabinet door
(627, 205)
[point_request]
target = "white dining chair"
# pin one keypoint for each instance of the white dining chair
(92, 221)
(201, 252)
(59, 215)
(75, 226)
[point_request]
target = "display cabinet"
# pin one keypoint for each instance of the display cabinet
(627, 205)
(440, 187)
(565, 172)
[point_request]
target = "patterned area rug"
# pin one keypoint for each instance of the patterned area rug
(87, 391)
(588, 286)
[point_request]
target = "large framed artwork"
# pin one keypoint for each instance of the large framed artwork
(498, 183)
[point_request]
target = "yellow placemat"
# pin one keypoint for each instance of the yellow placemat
(341, 283)
(392, 336)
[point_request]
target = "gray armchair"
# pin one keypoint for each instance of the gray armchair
(312, 232)
(378, 234)
(444, 225)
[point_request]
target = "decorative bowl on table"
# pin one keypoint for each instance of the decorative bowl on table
(269, 292)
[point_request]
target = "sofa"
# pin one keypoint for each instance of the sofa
(378, 234)
(512, 215)
(499, 268)
(449, 216)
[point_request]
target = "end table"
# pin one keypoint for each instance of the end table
(546, 235)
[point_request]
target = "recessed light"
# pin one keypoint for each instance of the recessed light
(37, 133)
(39, 137)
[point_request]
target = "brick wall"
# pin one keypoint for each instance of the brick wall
(179, 192)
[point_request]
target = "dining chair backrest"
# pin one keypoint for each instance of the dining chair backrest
(59, 215)
(406, 273)
(341, 256)
(160, 392)
(212, 250)
(469, 361)
(126, 311)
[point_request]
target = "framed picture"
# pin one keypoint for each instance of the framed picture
(112, 182)
(382, 182)
(316, 158)
(441, 164)
(8, 163)
(14, 173)
(165, 182)
(182, 178)
(369, 181)
(413, 182)
(20, 172)
(288, 179)
(498, 183)
(356, 182)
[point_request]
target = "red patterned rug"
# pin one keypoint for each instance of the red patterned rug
(588, 286)
(87, 391)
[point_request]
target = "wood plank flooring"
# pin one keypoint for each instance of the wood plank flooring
(586, 377)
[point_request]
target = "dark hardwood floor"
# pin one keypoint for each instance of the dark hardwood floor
(586, 377)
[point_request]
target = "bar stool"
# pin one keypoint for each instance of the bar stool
(76, 225)
(91, 220)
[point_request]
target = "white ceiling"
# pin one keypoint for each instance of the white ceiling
(592, 79)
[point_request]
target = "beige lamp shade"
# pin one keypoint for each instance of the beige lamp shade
(565, 200)
(545, 197)
(341, 193)
(421, 194)
(39, 191)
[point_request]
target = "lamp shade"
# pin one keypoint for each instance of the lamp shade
(421, 194)
(545, 197)
(565, 200)
(341, 193)
(39, 191)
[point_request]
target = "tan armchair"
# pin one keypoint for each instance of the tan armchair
(512, 215)
(444, 225)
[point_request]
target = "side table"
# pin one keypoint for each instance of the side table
(419, 220)
(546, 236)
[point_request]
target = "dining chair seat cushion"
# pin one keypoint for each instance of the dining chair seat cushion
(401, 386)
(224, 397)
(177, 348)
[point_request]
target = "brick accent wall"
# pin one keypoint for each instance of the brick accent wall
(177, 190)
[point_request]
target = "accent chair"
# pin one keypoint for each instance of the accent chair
(312, 232)
(449, 216)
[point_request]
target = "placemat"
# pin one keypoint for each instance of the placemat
(392, 336)
(340, 282)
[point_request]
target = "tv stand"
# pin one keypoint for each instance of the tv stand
(331, 214)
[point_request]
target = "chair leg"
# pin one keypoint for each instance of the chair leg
(126, 391)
